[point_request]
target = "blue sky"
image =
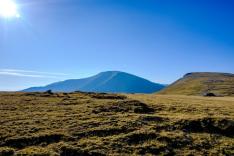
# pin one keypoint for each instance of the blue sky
(159, 40)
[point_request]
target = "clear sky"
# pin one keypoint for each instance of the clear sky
(159, 40)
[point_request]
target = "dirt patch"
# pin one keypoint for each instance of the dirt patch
(155, 150)
(153, 119)
(132, 106)
(177, 142)
(103, 132)
(35, 140)
(103, 95)
(65, 150)
(209, 125)
(108, 96)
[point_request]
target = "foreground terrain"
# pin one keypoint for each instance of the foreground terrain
(106, 124)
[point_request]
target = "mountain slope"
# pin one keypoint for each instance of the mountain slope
(201, 83)
(110, 81)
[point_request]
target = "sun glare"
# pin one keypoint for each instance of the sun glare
(8, 9)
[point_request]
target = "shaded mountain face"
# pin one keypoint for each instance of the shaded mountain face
(110, 82)
(221, 84)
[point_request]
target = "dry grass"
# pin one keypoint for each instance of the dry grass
(221, 84)
(104, 124)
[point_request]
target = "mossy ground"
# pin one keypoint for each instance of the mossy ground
(108, 124)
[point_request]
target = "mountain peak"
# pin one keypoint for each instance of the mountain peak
(111, 72)
(108, 81)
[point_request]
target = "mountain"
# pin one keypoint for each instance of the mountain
(110, 81)
(201, 83)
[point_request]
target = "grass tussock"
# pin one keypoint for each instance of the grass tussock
(109, 124)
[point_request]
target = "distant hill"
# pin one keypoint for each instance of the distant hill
(110, 81)
(201, 83)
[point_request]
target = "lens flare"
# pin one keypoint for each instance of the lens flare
(8, 9)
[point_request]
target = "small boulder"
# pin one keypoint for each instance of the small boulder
(209, 94)
(49, 92)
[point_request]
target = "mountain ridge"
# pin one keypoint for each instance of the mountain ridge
(108, 81)
(200, 83)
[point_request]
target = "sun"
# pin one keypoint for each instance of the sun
(8, 9)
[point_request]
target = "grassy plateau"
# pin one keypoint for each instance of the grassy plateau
(110, 124)
(221, 84)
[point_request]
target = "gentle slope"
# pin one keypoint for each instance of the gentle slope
(221, 84)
